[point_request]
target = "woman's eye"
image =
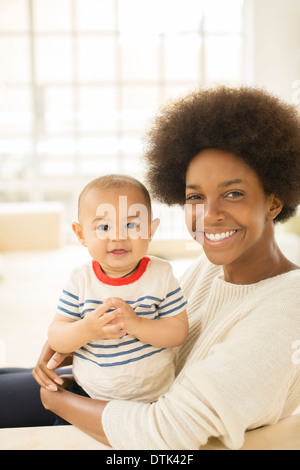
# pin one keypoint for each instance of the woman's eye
(103, 227)
(194, 197)
(234, 194)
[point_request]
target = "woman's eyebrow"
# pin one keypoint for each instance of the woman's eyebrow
(192, 186)
(230, 183)
(225, 184)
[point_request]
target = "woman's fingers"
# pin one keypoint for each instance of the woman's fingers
(44, 372)
(46, 378)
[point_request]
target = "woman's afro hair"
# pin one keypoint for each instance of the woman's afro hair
(249, 122)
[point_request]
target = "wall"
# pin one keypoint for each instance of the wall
(273, 43)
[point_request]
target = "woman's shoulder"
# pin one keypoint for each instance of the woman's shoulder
(283, 283)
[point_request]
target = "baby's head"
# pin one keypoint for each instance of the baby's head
(115, 221)
(117, 184)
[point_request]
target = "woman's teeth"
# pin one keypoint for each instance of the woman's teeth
(215, 237)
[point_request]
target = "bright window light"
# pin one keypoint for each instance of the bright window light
(81, 80)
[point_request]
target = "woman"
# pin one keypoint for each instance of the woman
(237, 153)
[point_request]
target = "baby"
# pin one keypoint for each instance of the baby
(123, 312)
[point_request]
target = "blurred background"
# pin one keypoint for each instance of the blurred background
(80, 82)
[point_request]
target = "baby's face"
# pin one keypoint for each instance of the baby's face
(116, 228)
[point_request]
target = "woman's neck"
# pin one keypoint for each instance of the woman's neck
(266, 263)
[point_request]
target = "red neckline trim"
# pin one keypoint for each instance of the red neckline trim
(120, 281)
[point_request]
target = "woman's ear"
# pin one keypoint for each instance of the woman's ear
(275, 207)
(79, 233)
(154, 226)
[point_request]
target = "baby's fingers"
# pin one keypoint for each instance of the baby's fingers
(110, 317)
(114, 331)
(102, 309)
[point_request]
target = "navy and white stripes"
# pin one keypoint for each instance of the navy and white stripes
(156, 294)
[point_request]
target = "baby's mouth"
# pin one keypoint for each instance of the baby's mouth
(118, 252)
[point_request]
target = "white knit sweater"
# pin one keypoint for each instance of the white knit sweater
(235, 372)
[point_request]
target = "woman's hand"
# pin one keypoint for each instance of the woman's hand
(44, 372)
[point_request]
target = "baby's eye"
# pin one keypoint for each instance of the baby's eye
(103, 227)
(131, 225)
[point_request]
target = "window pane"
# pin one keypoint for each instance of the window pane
(178, 16)
(131, 148)
(96, 58)
(15, 110)
(222, 16)
(136, 17)
(58, 106)
(95, 15)
(139, 59)
(53, 59)
(13, 15)
(138, 106)
(223, 59)
(182, 57)
(14, 59)
(98, 146)
(57, 146)
(14, 159)
(52, 15)
(97, 108)
(101, 165)
(57, 167)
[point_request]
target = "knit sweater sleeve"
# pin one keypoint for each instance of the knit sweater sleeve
(246, 380)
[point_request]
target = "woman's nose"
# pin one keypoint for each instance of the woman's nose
(212, 211)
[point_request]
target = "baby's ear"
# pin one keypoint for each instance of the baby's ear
(79, 233)
(154, 226)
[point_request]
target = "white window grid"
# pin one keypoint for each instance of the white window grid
(78, 90)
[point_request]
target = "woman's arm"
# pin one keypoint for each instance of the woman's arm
(84, 413)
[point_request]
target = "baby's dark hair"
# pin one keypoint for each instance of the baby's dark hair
(249, 122)
(114, 181)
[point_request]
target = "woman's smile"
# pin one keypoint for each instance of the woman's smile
(218, 237)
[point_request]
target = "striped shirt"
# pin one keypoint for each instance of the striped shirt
(126, 367)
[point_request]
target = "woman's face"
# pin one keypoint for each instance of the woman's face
(238, 215)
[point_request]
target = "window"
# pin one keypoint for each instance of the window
(80, 80)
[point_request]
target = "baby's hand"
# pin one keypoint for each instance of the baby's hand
(100, 323)
(127, 315)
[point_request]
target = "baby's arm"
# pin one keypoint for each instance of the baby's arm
(166, 332)
(66, 335)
